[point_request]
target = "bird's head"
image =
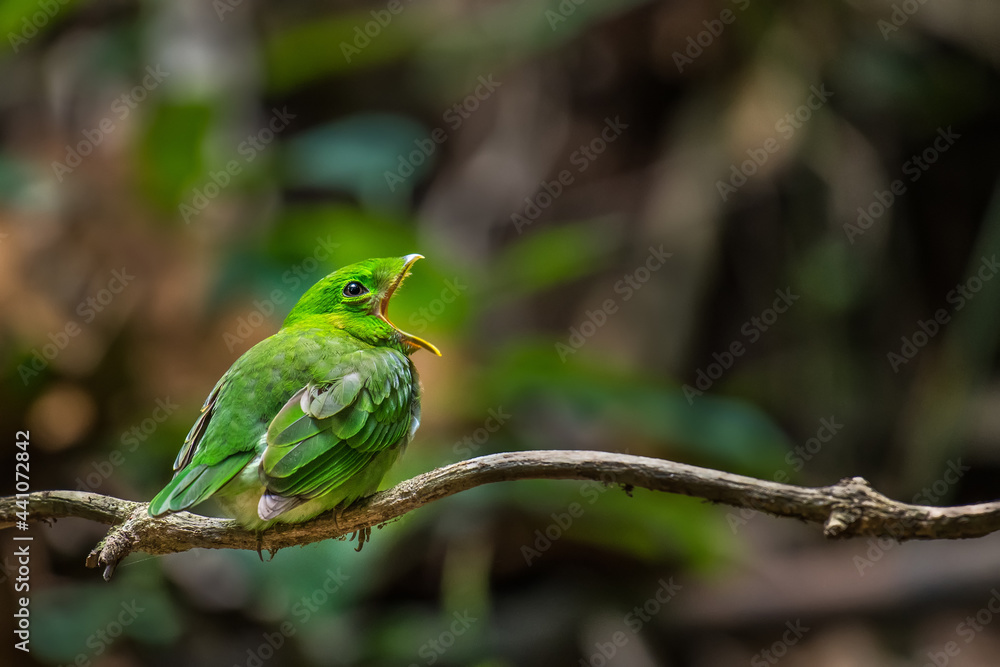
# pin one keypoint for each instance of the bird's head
(356, 297)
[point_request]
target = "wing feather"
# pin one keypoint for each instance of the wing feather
(197, 431)
(194, 482)
(329, 431)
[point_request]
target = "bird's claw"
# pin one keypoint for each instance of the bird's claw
(363, 535)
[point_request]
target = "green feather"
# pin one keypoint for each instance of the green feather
(194, 484)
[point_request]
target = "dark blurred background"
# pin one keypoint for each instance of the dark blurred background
(752, 236)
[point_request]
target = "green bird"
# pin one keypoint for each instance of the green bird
(311, 418)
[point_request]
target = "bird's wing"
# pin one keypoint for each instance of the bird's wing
(197, 431)
(330, 429)
(195, 480)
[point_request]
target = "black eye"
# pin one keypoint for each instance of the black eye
(354, 288)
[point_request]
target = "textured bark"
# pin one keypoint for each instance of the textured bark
(849, 508)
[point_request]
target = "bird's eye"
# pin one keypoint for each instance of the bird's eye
(354, 288)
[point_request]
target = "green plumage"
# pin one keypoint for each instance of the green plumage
(312, 417)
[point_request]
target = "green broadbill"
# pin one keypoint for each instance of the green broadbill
(312, 417)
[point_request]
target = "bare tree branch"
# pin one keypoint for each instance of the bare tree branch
(849, 508)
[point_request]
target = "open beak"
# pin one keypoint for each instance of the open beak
(383, 307)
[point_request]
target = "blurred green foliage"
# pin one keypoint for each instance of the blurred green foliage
(364, 90)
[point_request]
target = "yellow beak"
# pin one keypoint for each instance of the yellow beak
(409, 339)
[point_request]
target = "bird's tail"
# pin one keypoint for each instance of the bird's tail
(195, 483)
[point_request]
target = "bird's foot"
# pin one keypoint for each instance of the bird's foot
(363, 535)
